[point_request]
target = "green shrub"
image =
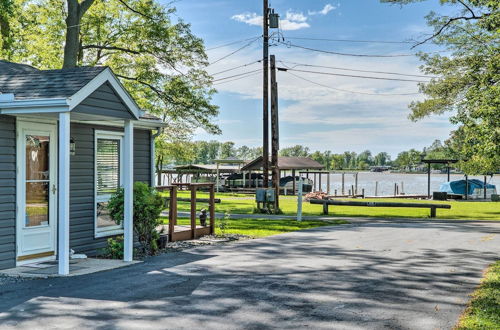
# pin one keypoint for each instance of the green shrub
(114, 249)
(148, 205)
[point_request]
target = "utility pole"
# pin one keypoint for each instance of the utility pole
(265, 108)
(275, 133)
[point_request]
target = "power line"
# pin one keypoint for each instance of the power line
(236, 67)
(239, 78)
(352, 40)
(356, 70)
(236, 51)
(230, 43)
(288, 44)
(236, 75)
(348, 91)
(352, 76)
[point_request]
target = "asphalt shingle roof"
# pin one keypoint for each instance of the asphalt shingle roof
(26, 82)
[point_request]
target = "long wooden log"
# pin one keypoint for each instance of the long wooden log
(198, 200)
(379, 204)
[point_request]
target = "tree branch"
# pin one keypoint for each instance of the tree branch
(445, 25)
(467, 7)
(126, 50)
(136, 11)
(158, 92)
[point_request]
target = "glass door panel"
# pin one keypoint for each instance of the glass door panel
(37, 180)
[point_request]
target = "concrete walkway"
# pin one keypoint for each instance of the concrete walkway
(384, 275)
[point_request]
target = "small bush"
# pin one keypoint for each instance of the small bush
(114, 250)
(148, 205)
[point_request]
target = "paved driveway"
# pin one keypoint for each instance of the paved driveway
(384, 275)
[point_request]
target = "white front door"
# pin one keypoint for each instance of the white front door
(36, 191)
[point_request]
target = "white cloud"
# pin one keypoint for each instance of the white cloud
(326, 9)
(295, 17)
(292, 21)
(248, 18)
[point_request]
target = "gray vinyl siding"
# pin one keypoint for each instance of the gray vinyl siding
(105, 102)
(7, 192)
(82, 236)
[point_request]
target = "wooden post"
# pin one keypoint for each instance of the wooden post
(433, 212)
(485, 187)
(274, 133)
(356, 183)
(429, 180)
(402, 188)
(376, 188)
(172, 221)
(343, 183)
(353, 191)
(466, 187)
(325, 208)
(299, 199)
(212, 210)
(314, 182)
(448, 172)
(319, 183)
(265, 97)
(395, 189)
(328, 183)
(193, 212)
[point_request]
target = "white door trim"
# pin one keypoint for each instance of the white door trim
(21, 128)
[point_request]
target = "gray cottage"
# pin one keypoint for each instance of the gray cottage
(68, 139)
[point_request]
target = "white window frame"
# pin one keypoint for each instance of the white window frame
(109, 135)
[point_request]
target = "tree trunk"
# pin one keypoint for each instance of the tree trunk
(159, 166)
(76, 10)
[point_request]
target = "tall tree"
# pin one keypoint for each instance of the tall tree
(159, 60)
(467, 83)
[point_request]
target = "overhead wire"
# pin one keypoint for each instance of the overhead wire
(239, 78)
(353, 40)
(289, 44)
(349, 91)
(352, 76)
(234, 52)
(355, 70)
(231, 43)
(236, 67)
(236, 75)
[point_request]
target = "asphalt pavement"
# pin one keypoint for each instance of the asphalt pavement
(366, 275)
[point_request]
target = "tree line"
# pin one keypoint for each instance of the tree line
(206, 152)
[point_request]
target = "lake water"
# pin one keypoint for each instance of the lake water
(412, 183)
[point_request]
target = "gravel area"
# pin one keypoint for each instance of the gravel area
(6, 280)
(204, 240)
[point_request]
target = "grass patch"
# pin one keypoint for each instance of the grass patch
(264, 227)
(245, 204)
(483, 311)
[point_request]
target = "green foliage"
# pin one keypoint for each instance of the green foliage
(295, 151)
(483, 311)
(114, 249)
(148, 205)
(467, 83)
(160, 62)
(223, 223)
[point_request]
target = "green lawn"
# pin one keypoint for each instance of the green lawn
(244, 204)
(484, 308)
(263, 227)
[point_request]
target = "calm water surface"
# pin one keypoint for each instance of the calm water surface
(408, 183)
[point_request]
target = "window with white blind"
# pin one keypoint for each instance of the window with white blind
(108, 160)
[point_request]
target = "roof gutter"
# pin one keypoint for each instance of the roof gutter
(10, 106)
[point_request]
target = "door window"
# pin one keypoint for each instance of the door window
(37, 180)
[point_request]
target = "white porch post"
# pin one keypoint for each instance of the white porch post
(63, 196)
(128, 185)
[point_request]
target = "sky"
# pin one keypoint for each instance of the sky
(319, 111)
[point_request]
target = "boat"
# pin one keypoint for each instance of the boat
(286, 184)
(475, 188)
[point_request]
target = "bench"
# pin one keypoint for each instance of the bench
(327, 202)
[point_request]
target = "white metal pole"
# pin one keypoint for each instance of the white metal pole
(217, 179)
(63, 196)
(128, 185)
(299, 200)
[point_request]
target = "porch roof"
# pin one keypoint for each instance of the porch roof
(27, 91)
